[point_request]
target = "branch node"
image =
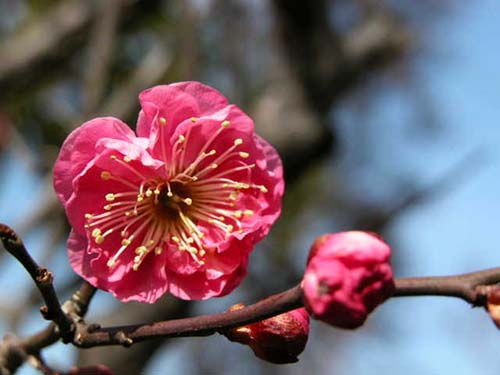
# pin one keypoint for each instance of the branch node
(78, 339)
(44, 277)
(44, 310)
(93, 327)
(122, 339)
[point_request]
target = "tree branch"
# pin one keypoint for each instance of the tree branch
(466, 286)
(43, 279)
(204, 325)
(474, 288)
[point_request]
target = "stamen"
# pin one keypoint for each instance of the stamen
(105, 175)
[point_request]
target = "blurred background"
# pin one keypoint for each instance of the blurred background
(386, 116)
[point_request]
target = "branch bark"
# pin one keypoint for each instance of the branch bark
(470, 287)
(43, 279)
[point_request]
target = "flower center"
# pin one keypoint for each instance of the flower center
(194, 200)
(174, 198)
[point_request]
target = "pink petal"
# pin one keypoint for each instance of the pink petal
(79, 148)
(175, 103)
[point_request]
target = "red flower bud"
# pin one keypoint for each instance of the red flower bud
(279, 339)
(493, 304)
(348, 274)
(90, 370)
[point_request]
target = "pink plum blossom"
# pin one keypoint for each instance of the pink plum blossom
(279, 339)
(177, 207)
(348, 274)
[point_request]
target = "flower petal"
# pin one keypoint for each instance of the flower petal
(175, 103)
(79, 148)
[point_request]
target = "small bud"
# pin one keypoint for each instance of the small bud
(348, 274)
(90, 370)
(279, 339)
(493, 304)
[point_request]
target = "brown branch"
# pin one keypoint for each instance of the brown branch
(474, 288)
(203, 325)
(43, 279)
(466, 286)
(14, 351)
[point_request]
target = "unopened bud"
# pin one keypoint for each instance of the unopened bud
(90, 370)
(493, 304)
(279, 339)
(348, 274)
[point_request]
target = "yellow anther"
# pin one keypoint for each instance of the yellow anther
(190, 240)
(150, 243)
(229, 228)
(170, 194)
(108, 207)
(127, 159)
(141, 250)
(263, 189)
(113, 157)
(158, 250)
(175, 239)
(105, 175)
(126, 242)
(86, 226)
(202, 252)
(214, 165)
(128, 213)
(248, 213)
(188, 201)
(225, 124)
(140, 197)
(193, 119)
(110, 197)
(233, 196)
(181, 138)
(193, 250)
(88, 216)
(149, 193)
(238, 214)
(244, 155)
(111, 263)
(163, 121)
(96, 232)
(157, 191)
(99, 240)
(238, 141)
(137, 263)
